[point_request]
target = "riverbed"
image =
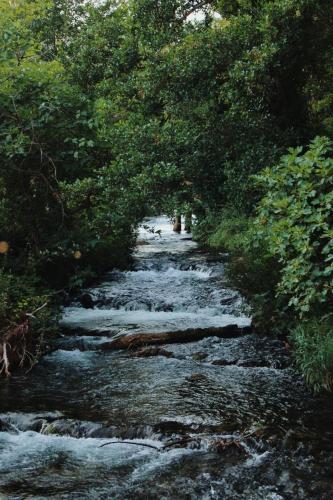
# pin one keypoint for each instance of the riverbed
(221, 418)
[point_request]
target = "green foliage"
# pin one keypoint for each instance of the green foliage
(19, 296)
(57, 197)
(295, 219)
(313, 351)
(230, 233)
(282, 259)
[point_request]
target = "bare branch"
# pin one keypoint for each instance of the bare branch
(195, 8)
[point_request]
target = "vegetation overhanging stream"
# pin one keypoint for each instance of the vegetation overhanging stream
(129, 366)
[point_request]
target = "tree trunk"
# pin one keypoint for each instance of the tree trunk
(177, 227)
(188, 222)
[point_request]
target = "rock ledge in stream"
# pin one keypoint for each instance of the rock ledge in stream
(174, 337)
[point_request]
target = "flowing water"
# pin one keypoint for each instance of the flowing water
(213, 419)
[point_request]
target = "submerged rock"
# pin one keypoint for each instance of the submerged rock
(147, 352)
(199, 356)
(7, 427)
(86, 301)
(197, 377)
(223, 362)
(233, 451)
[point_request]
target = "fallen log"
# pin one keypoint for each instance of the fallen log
(174, 337)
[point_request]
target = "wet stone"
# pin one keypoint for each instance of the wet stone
(147, 352)
(199, 356)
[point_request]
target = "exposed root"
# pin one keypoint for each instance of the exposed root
(13, 345)
(5, 361)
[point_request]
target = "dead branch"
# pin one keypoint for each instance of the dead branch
(194, 8)
(13, 345)
(32, 314)
(178, 442)
(132, 442)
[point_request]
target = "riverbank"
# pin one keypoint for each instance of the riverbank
(254, 270)
(30, 303)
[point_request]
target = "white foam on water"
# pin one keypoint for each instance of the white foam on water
(23, 421)
(191, 420)
(166, 241)
(27, 448)
(164, 299)
(148, 320)
(170, 272)
(87, 342)
(161, 461)
(257, 459)
(76, 356)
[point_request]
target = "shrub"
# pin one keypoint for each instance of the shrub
(295, 220)
(19, 295)
(313, 351)
(229, 234)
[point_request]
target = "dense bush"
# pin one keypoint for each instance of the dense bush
(62, 211)
(282, 259)
(295, 219)
(16, 296)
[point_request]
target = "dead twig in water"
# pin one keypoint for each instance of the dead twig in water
(132, 442)
(163, 448)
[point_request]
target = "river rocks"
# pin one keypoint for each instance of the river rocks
(247, 363)
(197, 377)
(223, 362)
(86, 301)
(139, 431)
(7, 427)
(147, 352)
(171, 427)
(232, 448)
(142, 243)
(199, 356)
(47, 423)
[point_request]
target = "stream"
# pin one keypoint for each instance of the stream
(213, 419)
